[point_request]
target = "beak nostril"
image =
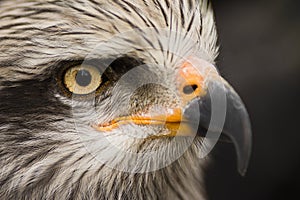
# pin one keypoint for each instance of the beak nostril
(189, 89)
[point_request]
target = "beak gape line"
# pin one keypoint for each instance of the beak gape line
(211, 109)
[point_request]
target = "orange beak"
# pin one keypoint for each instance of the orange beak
(203, 91)
(190, 84)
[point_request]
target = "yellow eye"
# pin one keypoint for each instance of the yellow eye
(82, 79)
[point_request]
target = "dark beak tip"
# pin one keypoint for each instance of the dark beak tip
(243, 167)
(242, 139)
(243, 172)
(237, 126)
(244, 160)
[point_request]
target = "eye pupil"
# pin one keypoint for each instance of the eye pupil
(83, 78)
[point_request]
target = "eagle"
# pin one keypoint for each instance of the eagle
(112, 99)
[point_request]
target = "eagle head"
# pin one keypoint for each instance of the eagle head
(112, 99)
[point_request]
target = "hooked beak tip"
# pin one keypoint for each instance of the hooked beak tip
(221, 109)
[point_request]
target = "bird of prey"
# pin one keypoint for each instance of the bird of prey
(112, 99)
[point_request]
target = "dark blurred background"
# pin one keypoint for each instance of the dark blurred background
(260, 57)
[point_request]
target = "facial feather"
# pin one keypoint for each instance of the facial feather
(42, 149)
